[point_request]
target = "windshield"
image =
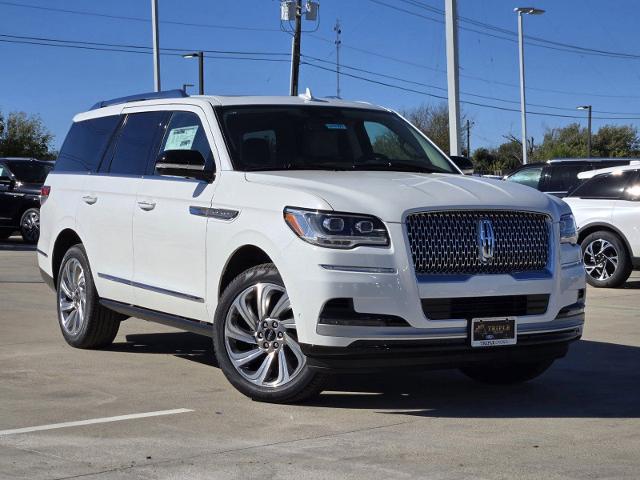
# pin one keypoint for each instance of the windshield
(29, 172)
(326, 138)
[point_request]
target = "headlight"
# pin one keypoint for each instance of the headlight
(336, 230)
(568, 229)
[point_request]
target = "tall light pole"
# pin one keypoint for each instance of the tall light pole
(451, 28)
(338, 29)
(523, 104)
(588, 108)
(293, 10)
(156, 45)
(200, 57)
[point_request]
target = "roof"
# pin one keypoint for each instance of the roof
(591, 160)
(24, 159)
(634, 165)
(114, 106)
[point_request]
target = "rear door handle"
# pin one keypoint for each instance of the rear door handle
(147, 205)
(90, 199)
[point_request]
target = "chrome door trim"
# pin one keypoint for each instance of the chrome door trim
(151, 288)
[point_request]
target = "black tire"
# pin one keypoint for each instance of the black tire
(303, 385)
(98, 326)
(607, 275)
(30, 225)
(507, 373)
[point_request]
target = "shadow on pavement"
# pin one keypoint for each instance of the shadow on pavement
(189, 346)
(16, 244)
(595, 380)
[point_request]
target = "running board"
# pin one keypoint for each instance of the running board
(182, 323)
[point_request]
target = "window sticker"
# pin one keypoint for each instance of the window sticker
(181, 138)
(335, 126)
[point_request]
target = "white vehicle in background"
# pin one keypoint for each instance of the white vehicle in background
(305, 236)
(606, 206)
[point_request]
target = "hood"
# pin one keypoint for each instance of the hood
(388, 195)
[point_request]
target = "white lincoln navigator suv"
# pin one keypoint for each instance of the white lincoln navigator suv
(305, 236)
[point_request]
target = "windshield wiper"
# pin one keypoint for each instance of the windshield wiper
(399, 167)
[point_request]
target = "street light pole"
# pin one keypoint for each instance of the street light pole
(451, 29)
(200, 57)
(523, 104)
(156, 45)
(338, 30)
(588, 108)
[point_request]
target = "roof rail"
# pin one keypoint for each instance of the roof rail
(141, 96)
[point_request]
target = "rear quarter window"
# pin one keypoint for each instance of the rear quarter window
(85, 144)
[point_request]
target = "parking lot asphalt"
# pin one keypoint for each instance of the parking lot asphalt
(154, 405)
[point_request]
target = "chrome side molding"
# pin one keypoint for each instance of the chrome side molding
(151, 288)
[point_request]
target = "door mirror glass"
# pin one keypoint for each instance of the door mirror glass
(183, 163)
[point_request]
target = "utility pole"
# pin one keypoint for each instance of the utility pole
(295, 50)
(338, 30)
(523, 103)
(588, 108)
(451, 27)
(468, 138)
(156, 45)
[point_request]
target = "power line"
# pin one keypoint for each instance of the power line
(129, 50)
(138, 19)
(473, 77)
(532, 40)
(467, 102)
(486, 97)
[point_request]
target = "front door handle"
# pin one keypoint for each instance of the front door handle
(90, 199)
(147, 205)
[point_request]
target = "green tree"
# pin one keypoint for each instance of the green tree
(431, 120)
(23, 135)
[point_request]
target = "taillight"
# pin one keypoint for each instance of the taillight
(45, 190)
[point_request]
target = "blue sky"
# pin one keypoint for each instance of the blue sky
(58, 82)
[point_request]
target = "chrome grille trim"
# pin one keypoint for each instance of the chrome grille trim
(445, 242)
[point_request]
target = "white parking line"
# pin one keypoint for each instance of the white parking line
(91, 421)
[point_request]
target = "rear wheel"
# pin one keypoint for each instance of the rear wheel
(83, 321)
(606, 260)
(256, 342)
(30, 225)
(507, 373)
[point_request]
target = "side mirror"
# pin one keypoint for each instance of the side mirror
(463, 163)
(183, 163)
(9, 182)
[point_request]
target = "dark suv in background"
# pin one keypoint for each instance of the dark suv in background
(20, 182)
(558, 177)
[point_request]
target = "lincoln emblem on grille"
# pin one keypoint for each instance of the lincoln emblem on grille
(486, 240)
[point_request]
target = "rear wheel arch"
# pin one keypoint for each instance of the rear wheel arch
(66, 239)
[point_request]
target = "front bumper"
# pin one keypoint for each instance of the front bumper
(545, 342)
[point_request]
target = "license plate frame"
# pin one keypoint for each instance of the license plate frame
(493, 332)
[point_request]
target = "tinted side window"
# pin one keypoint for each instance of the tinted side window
(136, 142)
(527, 176)
(632, 192)
(607, 185)
(562, 178)
(185, 132)
(85, 144)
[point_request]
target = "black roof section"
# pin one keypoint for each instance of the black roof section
(141, 96)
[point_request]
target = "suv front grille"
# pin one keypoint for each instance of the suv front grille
(446, 242)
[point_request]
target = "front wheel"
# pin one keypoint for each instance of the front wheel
(606, 259)
(30, 226)
(507, 373)
(256, 343)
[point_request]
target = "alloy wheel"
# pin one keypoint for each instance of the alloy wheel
(31, 225)
(72, 296)
(260, 336)
(600, 259)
